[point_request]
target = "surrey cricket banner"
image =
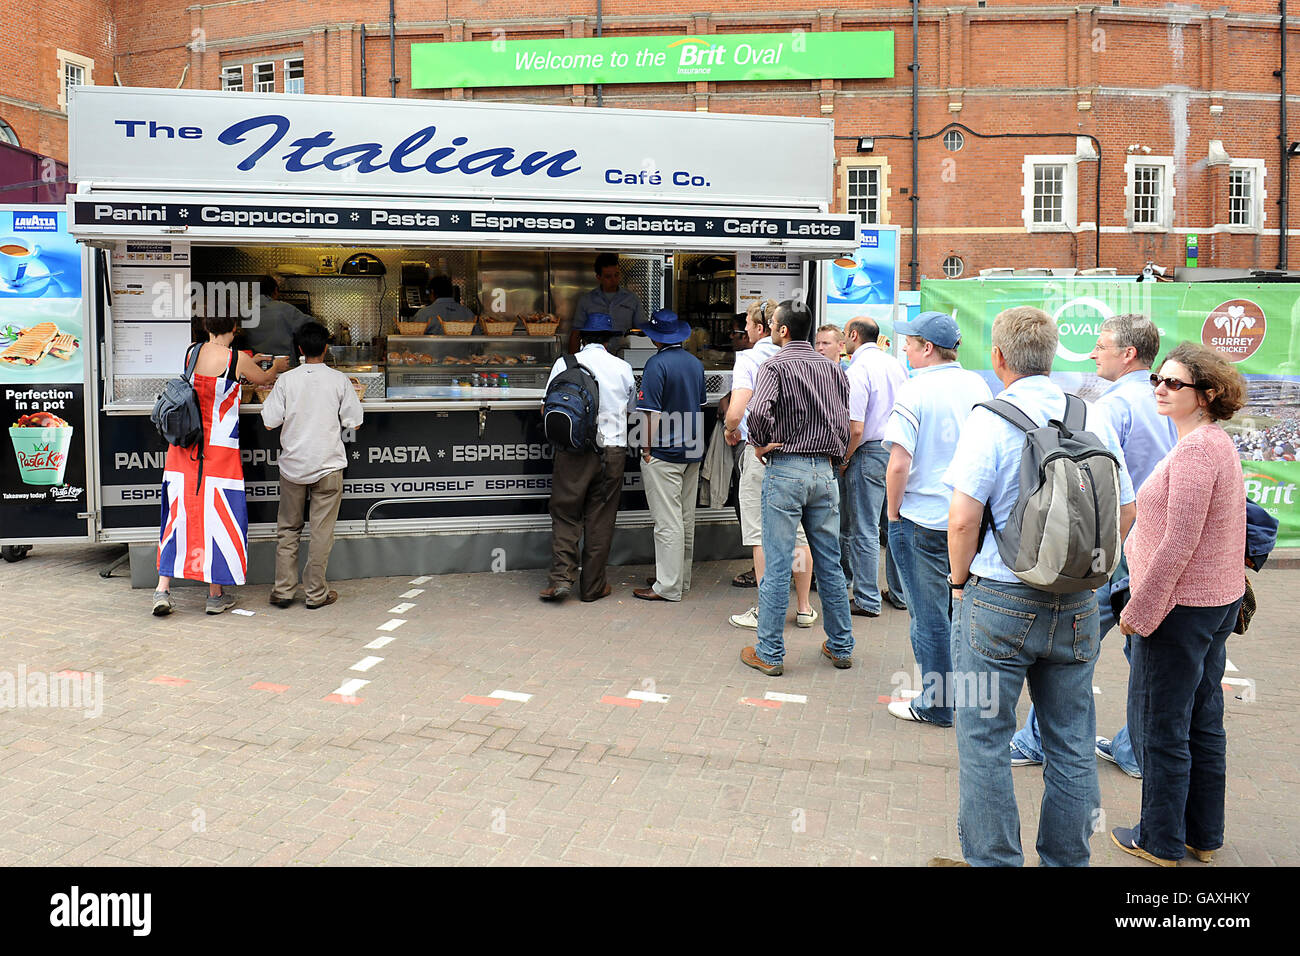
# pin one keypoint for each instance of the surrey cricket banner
(1257, 326)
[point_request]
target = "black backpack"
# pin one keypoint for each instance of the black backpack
(571, 407)
(176, 412)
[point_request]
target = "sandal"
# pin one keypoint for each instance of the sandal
(746, 580)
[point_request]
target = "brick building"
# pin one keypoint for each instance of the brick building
(1173, 108)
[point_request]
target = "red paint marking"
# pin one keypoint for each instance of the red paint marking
(273, 688)
(757, 702)
(892, 700)
(340, 699)
(76, 675)
(170, 681)
(620, 701)
(485, 701)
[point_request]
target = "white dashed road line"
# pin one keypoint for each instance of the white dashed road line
(400, 608)
(379, 642)
(349, 688)
(392, 625)
(647, 696)
(785, 698)
(511, 695)
(365, 664)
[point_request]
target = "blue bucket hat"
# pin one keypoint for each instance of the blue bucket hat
(598, 322)
(664, 327)
(937, 327)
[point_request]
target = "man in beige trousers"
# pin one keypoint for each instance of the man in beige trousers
(312, 405)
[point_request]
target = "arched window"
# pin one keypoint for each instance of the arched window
(7, 134)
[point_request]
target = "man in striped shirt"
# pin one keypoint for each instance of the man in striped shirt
(799, 422)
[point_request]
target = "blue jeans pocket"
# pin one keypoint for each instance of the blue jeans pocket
(1087, 635)
(996, 632)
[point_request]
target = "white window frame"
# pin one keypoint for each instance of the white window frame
(881, 165)
(961, 263)
(1069, 197)
(67, 59)
(1166, 212)
(1257, 207)
(226, 75)
(302, 67)
(257, 86)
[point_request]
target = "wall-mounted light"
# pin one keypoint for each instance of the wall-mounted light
(866, 144)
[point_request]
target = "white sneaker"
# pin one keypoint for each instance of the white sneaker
(902, 709)
(748, 619)
(806, 620)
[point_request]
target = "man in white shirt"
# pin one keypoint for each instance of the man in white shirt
(311, 405)
(443, 306)
(752, 470)
(586, 484)
(874, 378)
(921, 436)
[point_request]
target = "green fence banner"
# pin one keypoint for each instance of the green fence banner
(790, 55)
(1257, 325)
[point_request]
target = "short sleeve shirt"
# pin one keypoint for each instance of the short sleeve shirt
(986, 463)
(744, 374)
(1145, 435)
(673, 385)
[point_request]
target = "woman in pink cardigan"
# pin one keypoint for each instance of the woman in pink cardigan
(1185, 557)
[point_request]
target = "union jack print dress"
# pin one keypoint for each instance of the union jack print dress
(205, 522)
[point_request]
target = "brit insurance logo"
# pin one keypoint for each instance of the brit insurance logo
(36, 222)
(1265, 490)
(1236, 328)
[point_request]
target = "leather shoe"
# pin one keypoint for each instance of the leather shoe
(842, 663)
(329, 599)
(860, 611)
(609, 589)
(280, 602)
(648, 594)
(896, 602)
(554, 593)
(750, 657)
(650, 582)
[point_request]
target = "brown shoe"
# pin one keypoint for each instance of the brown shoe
(554, 593)
(1205, 856)
(280, 602)
(750, 657)
(648, 594)
(329, 599)
(840, 662)
(857, 610)
(650, 581)
(609, 589)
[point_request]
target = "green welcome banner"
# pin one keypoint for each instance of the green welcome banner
(1255, 325)
(794, 55)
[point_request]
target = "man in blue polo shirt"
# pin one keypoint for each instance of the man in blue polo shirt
(671, 401)
(920, 438)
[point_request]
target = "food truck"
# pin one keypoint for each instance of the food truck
(186, 198)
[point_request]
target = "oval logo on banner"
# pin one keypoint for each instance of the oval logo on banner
(1078, 321)
(1236, 328)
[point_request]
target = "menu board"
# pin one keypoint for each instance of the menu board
(151, 294)
(767, 275)
(42, 377)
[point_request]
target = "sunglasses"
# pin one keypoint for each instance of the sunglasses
(1174, 384)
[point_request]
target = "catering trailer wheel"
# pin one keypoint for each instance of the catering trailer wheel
(14, 552)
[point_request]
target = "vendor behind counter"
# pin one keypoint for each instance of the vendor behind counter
(444, 306)
(272, 332)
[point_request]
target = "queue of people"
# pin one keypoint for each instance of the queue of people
(944, 460)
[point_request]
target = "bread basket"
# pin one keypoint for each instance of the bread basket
(498, 325)
(411, 328)
(457, 328)
(540, 324)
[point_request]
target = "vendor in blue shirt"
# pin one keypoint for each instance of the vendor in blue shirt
(609, 297)
(444, 306)
(671, 401)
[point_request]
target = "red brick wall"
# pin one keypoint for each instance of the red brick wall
(1147, 74)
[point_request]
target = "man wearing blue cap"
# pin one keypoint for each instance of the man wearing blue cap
(671, 400)
(586, 484)
(920, 437)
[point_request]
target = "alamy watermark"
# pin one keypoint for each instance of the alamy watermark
(68, 689)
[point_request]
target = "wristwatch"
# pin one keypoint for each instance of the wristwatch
(953, 585)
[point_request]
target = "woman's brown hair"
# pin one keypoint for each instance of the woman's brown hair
(218, 324)
(1210, 370)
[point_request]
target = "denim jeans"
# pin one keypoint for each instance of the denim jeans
(923, 565)
(800, 488)
(1029, 741)
(1175, 706)
(1001, 635)
(866, 484)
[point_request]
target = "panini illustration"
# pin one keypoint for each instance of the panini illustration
(37, 341)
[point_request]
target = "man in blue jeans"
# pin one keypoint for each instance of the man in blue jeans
(1005, 631)
(921, 436)
(1126, 349)
(799, 422)
(875, 377)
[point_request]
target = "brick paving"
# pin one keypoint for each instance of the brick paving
(211, 769)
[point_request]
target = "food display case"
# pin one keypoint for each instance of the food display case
(427, 366)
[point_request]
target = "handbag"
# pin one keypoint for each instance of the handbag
(1246, 610)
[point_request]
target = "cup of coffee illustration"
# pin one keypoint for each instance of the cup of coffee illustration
(41, 442)
(843, 273)
(16, 256)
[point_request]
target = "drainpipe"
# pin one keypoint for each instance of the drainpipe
(915, 67)
(599, 31)
(363, 59)
(392, 47)
(1285, 183)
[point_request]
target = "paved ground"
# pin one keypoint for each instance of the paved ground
(218, 741)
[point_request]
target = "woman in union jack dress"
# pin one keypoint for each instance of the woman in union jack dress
(204, 527)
